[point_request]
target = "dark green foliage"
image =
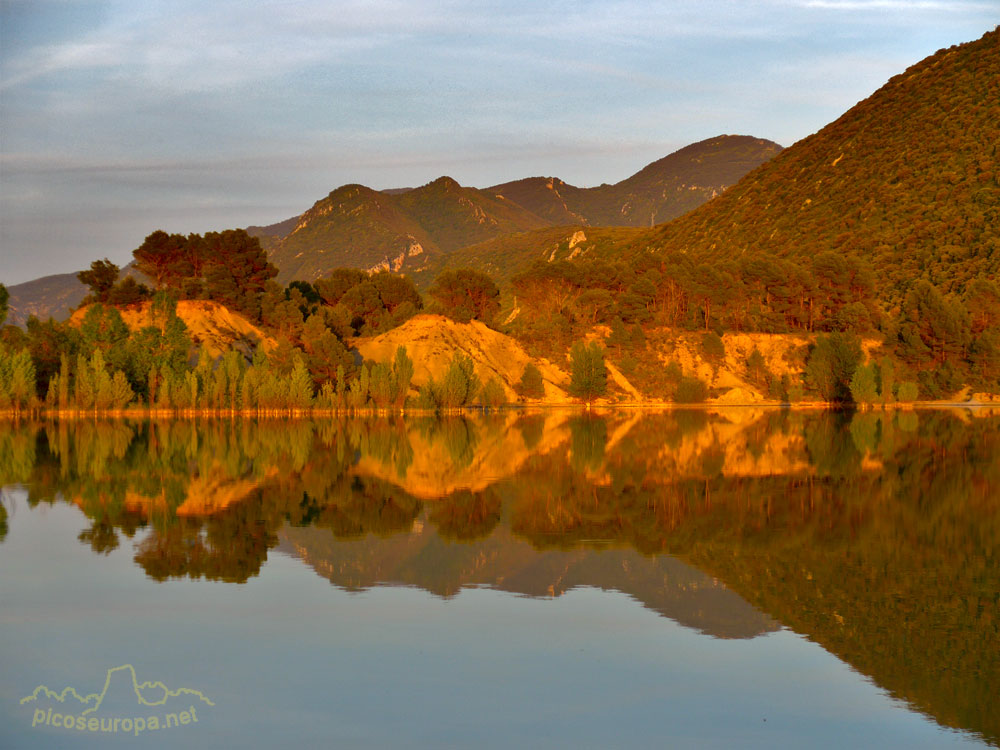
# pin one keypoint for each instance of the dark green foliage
(588, 374)
(757, 372)
(907, 180)
(691, 390)
(831, 365)
(530, 385)
(465, 295)
(334, 285)
(492, 395)
(165, 258)
(99, 278)
(864, 384)
(713, 348)
(460, 385)
(127, 292)
(239, 270)
(4, 296)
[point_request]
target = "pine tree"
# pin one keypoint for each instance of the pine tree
(402, 371)
(588, 374)
(530, 385)
(63, 381)
(300, 388)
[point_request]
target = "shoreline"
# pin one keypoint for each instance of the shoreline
(145, 413)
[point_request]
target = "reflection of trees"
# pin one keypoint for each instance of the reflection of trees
(368, 506)
(589, 435)
(876, 539)
(457, 433)
(466, 516)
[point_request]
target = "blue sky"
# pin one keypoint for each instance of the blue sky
(119, 118)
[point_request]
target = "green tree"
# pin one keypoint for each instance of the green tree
(99, 278)
(864, 384)
(164, 259)
(465, 295)
(402, 372)
(530, 385)
(300, 390)
(831, 365)
(4, 298)
(588, 373)
(493, 395)
(460, 384)
(239, 271)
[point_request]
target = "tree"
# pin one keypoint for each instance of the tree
(164, 258)
(99, 278)
(402, 372)
(4, 297)
(335, 284)
(934, 328)
(589, 376)
(465, 295)
(493, 395)
(239, 270)
(864, 387)
(127, 292)
(530, 385)
(982, 299)
(757, 371)
(831, 365)
(461, 384)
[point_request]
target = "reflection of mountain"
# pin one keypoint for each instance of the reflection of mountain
(422, 558)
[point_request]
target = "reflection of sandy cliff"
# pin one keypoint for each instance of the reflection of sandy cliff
(469, 454)
(459, 453)
(205, 495)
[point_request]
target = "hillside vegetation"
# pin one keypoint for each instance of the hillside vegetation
(908, 179)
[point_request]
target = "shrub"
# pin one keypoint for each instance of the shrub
(691, 390)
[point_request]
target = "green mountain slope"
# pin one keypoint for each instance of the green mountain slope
(358, 227)
(659, 192)
(353, 226)
(908, 178)
(509, 254)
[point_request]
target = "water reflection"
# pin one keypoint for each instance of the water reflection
(874, 534)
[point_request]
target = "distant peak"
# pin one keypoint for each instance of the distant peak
(447, 183)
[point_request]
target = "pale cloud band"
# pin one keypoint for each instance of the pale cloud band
(122, 117)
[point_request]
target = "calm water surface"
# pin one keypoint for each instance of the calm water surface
(695, 579)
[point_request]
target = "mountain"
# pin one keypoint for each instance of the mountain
(662, 191)
(356, 226)
(416, 230)
(54, 296)
(50, 296)
(908, 179)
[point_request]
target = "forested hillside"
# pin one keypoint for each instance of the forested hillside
(908, 180)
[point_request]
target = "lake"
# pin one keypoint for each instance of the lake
(695, 578)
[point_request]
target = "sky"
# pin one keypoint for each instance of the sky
(118, 118)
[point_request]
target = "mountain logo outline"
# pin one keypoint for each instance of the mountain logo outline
(137, 687)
